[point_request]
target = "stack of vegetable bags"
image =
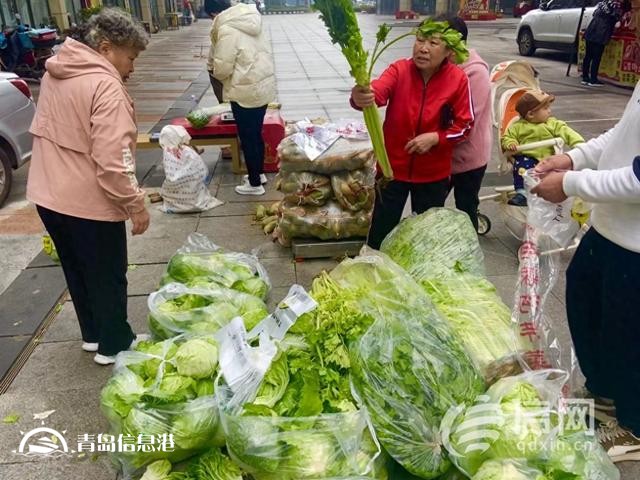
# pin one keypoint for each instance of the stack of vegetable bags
(408, 369)
(205, 287)
(517, 430)
(440, 250)
(163, 388)
(301, 421)
(328, 184)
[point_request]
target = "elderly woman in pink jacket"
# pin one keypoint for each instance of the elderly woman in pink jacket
(82, 174)
(470, 158)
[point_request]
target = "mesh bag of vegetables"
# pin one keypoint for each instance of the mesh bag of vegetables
(436, 243)
(522, 418)
(164, 390)
(200, 258)
(481, 321)
(304, 188)
(202, 308)
(343, 154)
(355, 189)
(329, 222)
(407, 369)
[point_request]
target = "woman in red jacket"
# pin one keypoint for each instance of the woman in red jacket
(429, 110)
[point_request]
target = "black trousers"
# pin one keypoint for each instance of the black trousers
(93, 255)
(603, 286)
(390, 203)
(466, 187)
(591, 62)
(249, 122)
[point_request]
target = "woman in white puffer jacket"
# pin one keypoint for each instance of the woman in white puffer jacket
(244, 64)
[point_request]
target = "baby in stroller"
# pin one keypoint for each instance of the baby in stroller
(534, 125)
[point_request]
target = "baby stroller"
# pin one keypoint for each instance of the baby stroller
(509, 81)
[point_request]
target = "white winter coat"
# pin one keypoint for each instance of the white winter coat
(242, 58)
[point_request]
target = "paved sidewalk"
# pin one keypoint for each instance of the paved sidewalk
(313, 81)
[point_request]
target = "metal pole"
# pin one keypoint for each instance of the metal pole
(576, 40)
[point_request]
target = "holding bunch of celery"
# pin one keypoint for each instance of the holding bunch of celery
(340, 19)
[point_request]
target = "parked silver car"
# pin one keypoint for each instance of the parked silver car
(16, 112)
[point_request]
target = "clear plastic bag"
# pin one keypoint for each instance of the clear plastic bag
(355, 189)
(552, 219)
(537, 275)
(523, 418)
(329, 222)
(408, 369)
(481, 321)
(342, 154)
(324, 446)
(201, 259)
(436, 243)
(164, 390)
(205, 308)
(304, 188)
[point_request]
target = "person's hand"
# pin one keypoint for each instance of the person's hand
(554, 163)
(550, 188)
(422, 143)
(513, 148)
(140, 222)
(363, 96)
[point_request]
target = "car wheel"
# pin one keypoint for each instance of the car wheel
(5, 176)
(526, 44)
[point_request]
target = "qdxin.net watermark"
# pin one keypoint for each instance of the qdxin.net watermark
(530, 427)
(541, 425)
(48, 442)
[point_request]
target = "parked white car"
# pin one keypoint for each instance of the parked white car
(16, 112)
(552, 26)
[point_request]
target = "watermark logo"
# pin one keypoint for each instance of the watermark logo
(43, 441)
(531, 427)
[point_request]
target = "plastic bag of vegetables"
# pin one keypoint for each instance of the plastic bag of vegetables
(210, 465)
(343, 154)
(355, 189)
(304, 188)
(166, 390)
(202, 308)
(329, 222)
(519, 418)
(304, 444)
(436, 243)
(200, 258)
(408, 369)
(481, 321)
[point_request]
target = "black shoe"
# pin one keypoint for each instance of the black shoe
(584, 81)
(518, 200)
(595, 83)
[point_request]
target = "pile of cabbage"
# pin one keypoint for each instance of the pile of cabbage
(161, 388)
(204, 288)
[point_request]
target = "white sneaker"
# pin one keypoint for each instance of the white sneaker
(111, 359)
(263, 179)
(246, 189)
(89, 347)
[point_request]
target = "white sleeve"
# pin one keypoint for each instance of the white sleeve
(587, 155)
(620, 185)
